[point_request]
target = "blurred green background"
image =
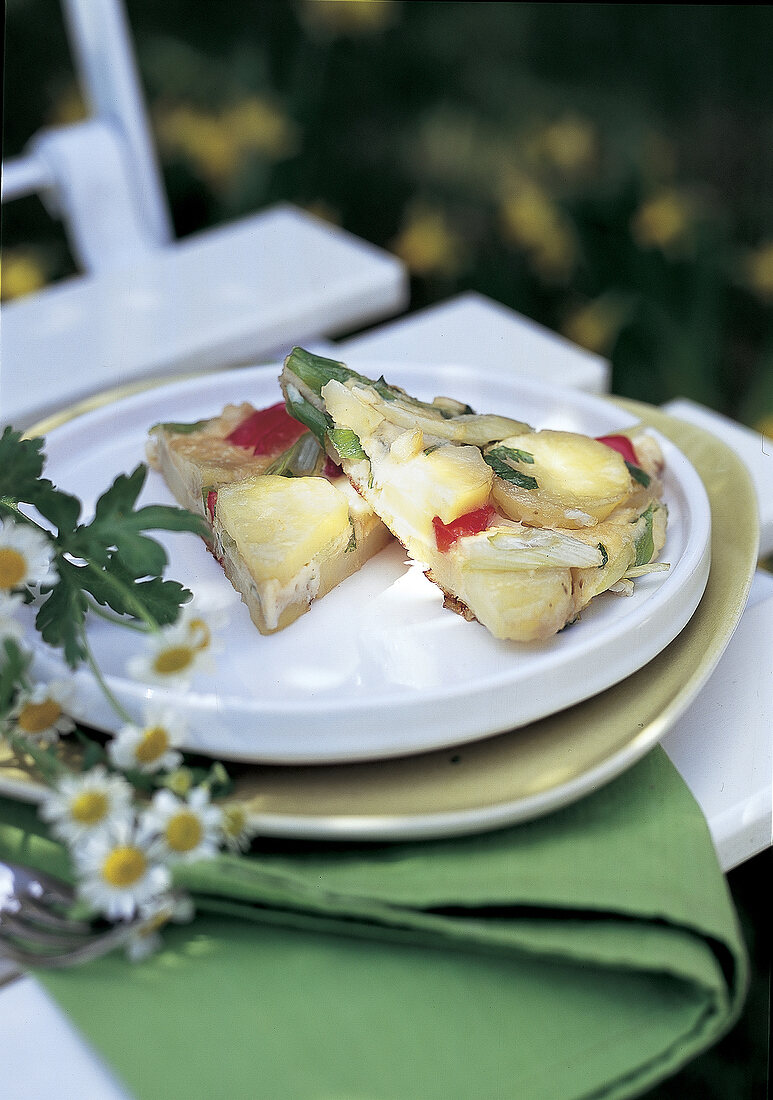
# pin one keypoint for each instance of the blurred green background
(604, 169)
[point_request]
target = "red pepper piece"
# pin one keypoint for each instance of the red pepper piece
(267, 431)
(331, 469)
(470, 523)
(211, 501)
(621, 444)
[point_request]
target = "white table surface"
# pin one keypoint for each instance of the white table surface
(721, 745)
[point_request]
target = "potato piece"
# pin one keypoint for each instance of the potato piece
(526, 607)
(579, 480)
(447, 482)
(281, 524)
(349, 410)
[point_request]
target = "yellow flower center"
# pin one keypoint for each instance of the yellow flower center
(13, 567)
(124, 867)
(89, 807)
(36, 717)
(174, 659)
(234, 820)
(154, 743)
(200, 634)
(184, 832)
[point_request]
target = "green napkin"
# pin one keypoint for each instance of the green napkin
(590, 953)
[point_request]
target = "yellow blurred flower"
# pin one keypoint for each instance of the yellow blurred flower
(758, 271)
(665, 221)
(596, 324)
(260, 127)
(428, 244)
(765, 425)
(537, 226)
(348, 17)
(570, 144)
(321, 209)
(68, 108)
(22, 272)
(216, 144)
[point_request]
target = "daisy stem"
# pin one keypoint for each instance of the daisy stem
(106, 691)
(117, 621)
(48, 764)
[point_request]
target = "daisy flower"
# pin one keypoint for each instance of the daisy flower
(81, 806)
(145, 940)
(10, 627)
(236, 828)
(26, 556)
(149, 748)
(40, 713)
(189, 829)
(176, 652)
(121, 871)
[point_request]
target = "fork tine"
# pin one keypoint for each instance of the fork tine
(93, 948)
(50, 919)
(12, 926)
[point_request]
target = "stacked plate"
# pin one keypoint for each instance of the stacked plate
(381, 715)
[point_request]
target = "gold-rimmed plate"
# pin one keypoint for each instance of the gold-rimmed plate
(527, 772)
(378, 668)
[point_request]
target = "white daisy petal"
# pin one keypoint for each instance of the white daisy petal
(83, 806)
(175, 653)
(237, 829)
(26, 556)
(151, 747)
(121, 871)
(10, 627)
(188, 829)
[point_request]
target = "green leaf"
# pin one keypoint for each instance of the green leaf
(21, 467)
(14, 663)
(61, 617)
(162, 599)
(60, 509)
(116, 532)
(117, 589)
(165, 517)
(122, 495)
(21, 464)
(501, 460)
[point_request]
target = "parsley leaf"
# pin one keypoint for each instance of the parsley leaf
(21, 469)
(21, 465)
(115, 533)
(61, 617)
(110, 560)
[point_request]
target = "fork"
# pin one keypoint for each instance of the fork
(35, 930)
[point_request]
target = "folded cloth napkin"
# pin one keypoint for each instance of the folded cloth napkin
(590, 953)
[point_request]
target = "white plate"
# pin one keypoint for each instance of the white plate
(377, 668)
